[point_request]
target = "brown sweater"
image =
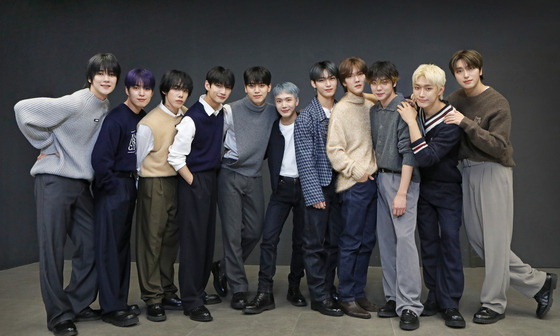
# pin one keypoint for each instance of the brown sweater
(487, 126)
(349, 142)
(163, 129)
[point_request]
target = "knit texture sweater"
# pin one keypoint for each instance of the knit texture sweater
(65, 129)
(252, 125)
(391, 139)
(487, 126)
(349, 141)
(163, 129)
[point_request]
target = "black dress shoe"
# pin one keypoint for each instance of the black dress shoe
(295, 297)
(430, 308)
(210, 299)
(368, 305)
(453, 318)
(353, 309)
(544, 296)
(88, 314)
(156, 313)
(134, 309)
(487, 316)
(261, 302)
(172, 303)
(327, 307)
(388, 310)
(409, 320)
(121, 318)
(199, 314)
(65, 328)
(220, 280)
(239, 300)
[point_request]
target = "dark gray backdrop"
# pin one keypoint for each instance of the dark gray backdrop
(44, 46)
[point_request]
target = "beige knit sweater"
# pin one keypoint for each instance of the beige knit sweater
(349, 142)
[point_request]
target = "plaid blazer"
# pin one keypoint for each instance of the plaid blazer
(310, 138)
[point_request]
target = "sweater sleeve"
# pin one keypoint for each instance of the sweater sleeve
(336, 151)
(104, 154)
(494, 138)
(403, 143)
(38, 117)
(428, 154)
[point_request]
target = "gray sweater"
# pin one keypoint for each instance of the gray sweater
(252, 126)
(391, 140)
(69, 126)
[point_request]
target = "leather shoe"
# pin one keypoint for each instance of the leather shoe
(210, 299)
(121, 318)
(199, 314)
(487, 316)
(172, 303)
(220, 280)
(367, 305)
(295, 297)
(156, 313)
(453, 318)
(544, 296)
(327, 307)
(65, 328)
(388, 310)
(261, 302)
(239, 300)
(353, 309)
(88, 314)
(430, 308)
(134, 309)
(409, 320)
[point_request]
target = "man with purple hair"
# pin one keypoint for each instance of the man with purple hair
(114, 189)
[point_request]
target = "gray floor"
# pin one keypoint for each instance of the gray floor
(22, 313)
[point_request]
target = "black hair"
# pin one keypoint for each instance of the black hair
(257, 75)
(318, 68)
(175, 79)
(221, 75)
(105, 62)
(382, 69)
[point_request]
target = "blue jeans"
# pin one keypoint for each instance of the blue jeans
(286, 197)
(357, 239)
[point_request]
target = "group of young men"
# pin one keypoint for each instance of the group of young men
(369, 168)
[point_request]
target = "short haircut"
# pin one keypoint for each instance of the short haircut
(221, 75)
(318, 68)
(346, 67)
(257, 75)
(140, 76)
(433, 74)
(470, 56)
(102, 62)
(175, 79)
(286, 87)
(382, 69)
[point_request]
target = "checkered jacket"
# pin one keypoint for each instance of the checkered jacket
(310, 137)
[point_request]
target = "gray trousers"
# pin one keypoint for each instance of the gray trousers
(488, 218)
(65, 208)
(397, 246)
(241, 206)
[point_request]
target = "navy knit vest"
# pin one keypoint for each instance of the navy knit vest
(207, 143)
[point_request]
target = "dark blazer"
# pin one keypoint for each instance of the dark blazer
(275, 154)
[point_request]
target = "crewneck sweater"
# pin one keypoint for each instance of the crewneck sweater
(69, 126)
(252, 126)
(487, 126)
(349, 141)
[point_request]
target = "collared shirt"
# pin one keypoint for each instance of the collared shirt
(145, 137)
(230, 143)
(186, 130)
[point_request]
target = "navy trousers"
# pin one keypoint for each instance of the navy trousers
(320, 244)
(113, 222)
(439, 221)
(287, 197)
(357, 239)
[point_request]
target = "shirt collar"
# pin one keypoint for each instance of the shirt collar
(166, 110)
(207, 108)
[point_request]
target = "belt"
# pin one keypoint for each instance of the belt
(289, 179)
(127, 174)
(383, 170)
